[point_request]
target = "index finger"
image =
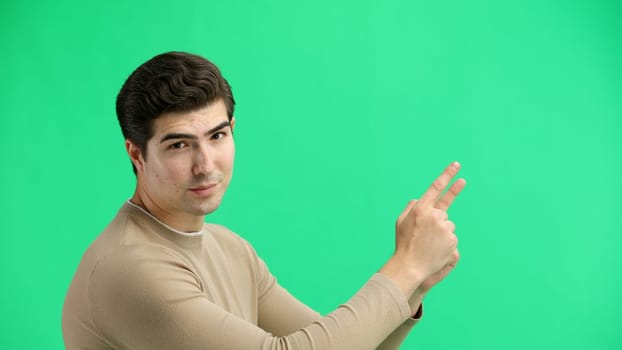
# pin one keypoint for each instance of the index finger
(454, 190)
(433, 193)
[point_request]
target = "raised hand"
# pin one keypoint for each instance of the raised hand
(443, 204)
(425, 239)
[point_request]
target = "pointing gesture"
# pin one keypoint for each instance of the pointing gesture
(425, 243)
(431, 197)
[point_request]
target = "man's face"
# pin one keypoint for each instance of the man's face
(189, 162)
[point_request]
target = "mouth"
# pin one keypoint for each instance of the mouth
(203, 190)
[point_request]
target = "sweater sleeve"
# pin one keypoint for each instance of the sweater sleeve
(157, 303)
(280, 313)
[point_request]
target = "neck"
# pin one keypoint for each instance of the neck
(179, 222)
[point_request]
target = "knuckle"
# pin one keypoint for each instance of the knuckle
(437, 185)
(419, 210)
(438, 214)
(455, 257)
(452, 226)
(453, 191)
(453, 239)
(439, 225)
(442, 203)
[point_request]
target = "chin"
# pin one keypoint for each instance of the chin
(209, 211)
(207, 208)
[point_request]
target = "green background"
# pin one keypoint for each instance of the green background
(346, 110)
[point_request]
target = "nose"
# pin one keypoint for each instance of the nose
(203, 163)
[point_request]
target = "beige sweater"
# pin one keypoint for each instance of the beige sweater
(143, 285)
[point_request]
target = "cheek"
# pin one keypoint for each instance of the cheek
(227, 158)
(166, 173)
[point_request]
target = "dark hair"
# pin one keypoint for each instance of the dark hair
(169, 82)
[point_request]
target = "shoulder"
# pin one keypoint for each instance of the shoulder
(132, 264)
(144, 274)
(125, 247)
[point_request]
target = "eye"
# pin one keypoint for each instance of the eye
(219, 135)
(178, 145)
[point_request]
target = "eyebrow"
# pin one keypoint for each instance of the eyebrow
(174, 136)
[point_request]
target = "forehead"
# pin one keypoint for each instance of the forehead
(196, 121)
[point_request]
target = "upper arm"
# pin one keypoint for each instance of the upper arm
(157, 303)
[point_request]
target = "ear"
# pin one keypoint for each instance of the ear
(135, 155)
(232, 123)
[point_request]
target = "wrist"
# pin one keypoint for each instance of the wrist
(406, 278)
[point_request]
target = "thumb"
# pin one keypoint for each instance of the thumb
(409, 207)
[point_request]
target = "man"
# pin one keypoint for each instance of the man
(158, 277)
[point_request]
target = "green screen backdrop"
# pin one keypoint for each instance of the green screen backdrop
(346, 110)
